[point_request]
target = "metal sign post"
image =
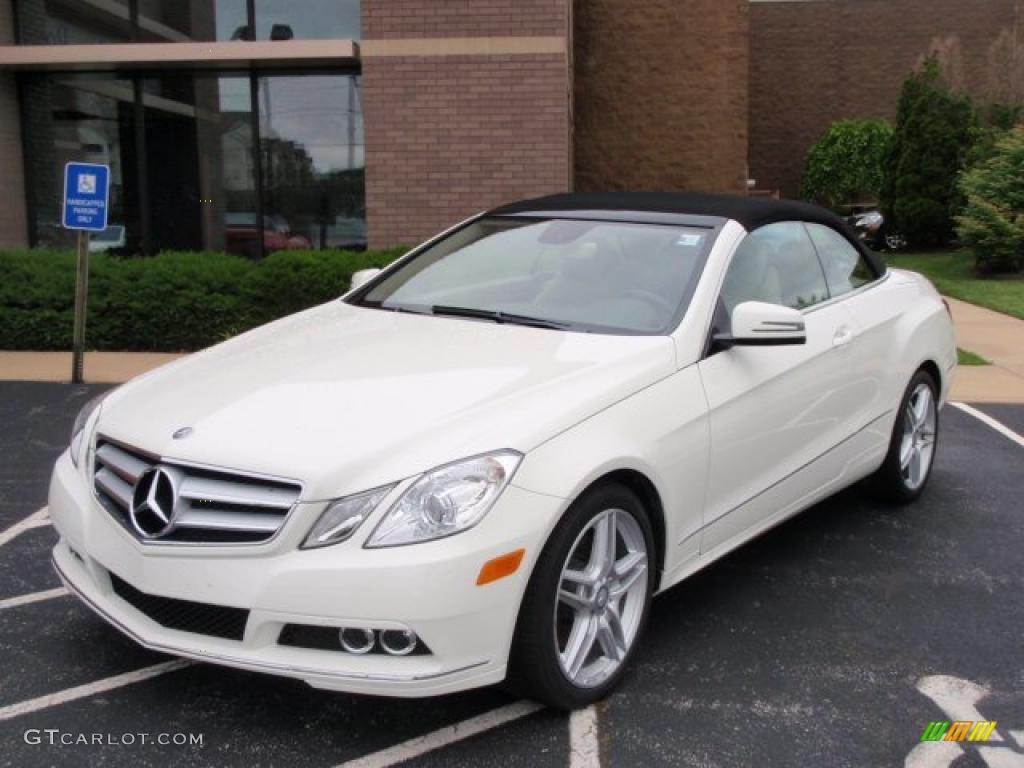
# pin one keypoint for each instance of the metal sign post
(86, 198)
(81, 302)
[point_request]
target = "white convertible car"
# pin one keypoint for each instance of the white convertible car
(483, 462)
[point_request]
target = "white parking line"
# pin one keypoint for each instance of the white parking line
(584, 750)
(34, 597)
(90, 689)
(442, 737)
(35, 520)
(984, 418)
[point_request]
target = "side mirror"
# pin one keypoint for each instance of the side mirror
(362, 277)
(759, 324)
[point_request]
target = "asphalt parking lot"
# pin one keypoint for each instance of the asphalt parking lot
(832, 640)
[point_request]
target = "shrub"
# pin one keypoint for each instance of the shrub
(933, 133)
(847, 164)
(992, 223)
(289, 281)
(171, 302)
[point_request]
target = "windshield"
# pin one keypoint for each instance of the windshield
(599, 276)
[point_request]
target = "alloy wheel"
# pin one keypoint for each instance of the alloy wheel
(602, 593)
(917, 447)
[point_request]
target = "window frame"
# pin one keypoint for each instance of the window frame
(876, 280)
(718, 306)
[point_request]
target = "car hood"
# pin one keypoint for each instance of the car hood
(344, 398)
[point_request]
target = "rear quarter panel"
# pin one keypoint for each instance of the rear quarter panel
(902, 324)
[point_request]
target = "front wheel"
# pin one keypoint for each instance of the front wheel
(587, 602)
(908, 464)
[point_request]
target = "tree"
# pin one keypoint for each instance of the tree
(992, 223)
(934, 131)
(847, 164)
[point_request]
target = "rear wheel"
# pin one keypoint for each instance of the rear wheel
(587, 602)
(908, 464)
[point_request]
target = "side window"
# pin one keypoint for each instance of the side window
(845, 269)
(776, 264)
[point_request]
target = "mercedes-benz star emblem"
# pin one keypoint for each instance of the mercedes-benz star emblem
(181, 434)
(152, 510)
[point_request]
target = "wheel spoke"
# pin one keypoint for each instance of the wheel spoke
(576, 655)
(602, 555)
(574, 601)
(915, 467)
(922, 406)
(609, 634)
(906, 452)
(627, 571)
(587, 578)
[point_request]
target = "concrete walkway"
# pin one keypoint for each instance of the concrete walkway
(100, 367)
(999, 339)
(996, 337)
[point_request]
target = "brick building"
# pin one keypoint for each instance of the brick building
(257, 125)
(817, 61)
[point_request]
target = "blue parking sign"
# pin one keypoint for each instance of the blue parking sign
(86, 195)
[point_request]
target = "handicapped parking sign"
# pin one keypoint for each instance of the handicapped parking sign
(86, 196)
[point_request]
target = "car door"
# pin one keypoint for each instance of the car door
(875, 307)
(777, 413)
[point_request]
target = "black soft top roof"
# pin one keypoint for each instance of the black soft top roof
(751, 212)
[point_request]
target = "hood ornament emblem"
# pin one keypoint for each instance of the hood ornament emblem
(181, 434)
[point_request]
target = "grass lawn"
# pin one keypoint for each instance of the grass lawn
(952, 272)
(966, 357)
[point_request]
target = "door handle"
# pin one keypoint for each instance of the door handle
(844, 335)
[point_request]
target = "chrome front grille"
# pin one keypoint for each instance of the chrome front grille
(208, 506)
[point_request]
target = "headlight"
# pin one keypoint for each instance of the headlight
(78, 430)
(446, 500)
(342, 517)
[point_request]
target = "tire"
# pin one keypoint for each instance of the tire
(896, 480)
(559, 614)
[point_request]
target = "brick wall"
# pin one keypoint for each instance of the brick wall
(816, 62)
(13, 226)
(403, 19)
(450, 135)
(661, 94)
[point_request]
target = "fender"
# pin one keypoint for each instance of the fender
(634, 434)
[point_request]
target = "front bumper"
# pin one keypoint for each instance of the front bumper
(429, 588)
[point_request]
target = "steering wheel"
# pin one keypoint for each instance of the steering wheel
(651, 298)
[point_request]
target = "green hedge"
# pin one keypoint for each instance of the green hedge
(171, 302)
(992, 223)
(847, 165)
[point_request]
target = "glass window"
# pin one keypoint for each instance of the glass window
(201, 184)
(311, 134)
(85, 119)
(64, 22)
(775, 264)
(845, 268)
(176, 21)
(61, 22)
(308, 19)
(586, 275)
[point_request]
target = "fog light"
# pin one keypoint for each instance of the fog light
(358, 641)
(398, 642)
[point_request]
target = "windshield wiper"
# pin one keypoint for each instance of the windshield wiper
(499, 317)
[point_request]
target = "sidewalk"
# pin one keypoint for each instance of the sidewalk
(996, 337)
(100, 367)
(999, 339)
